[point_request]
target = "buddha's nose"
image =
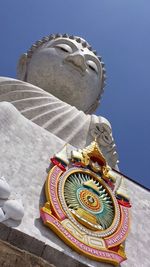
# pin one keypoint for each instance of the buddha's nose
(78, 60)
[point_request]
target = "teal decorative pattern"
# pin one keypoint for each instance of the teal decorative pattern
(82, 191)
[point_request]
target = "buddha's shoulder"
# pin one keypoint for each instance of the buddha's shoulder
(22, 94)
(8, 80)
(8, 85)
(4, 81)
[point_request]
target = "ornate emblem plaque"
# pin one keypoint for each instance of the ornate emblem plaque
(87, 204)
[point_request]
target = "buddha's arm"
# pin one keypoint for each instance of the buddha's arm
(47, 111)
(58, 117)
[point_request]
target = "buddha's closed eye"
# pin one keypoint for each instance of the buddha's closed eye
(92, 65)
(64, 47)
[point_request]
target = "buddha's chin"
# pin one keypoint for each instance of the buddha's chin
(70, 87)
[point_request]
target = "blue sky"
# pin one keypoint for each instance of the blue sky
(120, 31)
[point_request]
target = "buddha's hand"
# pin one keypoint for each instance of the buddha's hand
(100, 129)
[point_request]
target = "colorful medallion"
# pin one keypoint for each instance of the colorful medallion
(87, 204)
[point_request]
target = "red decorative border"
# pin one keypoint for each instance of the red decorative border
(96, 254)
(120, 235)
(52, 182)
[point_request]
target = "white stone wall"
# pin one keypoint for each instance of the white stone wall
(25, 149)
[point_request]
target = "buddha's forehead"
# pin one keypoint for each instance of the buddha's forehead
(73, 43)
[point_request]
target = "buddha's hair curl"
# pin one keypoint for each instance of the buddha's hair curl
(84, 43)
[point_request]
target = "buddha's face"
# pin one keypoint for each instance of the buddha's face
(68, 71)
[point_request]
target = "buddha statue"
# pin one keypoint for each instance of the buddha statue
(60, 83)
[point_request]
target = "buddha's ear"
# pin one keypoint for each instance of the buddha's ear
(22, 67)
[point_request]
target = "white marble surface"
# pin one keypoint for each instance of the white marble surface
(138, 241)
(24, 158)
